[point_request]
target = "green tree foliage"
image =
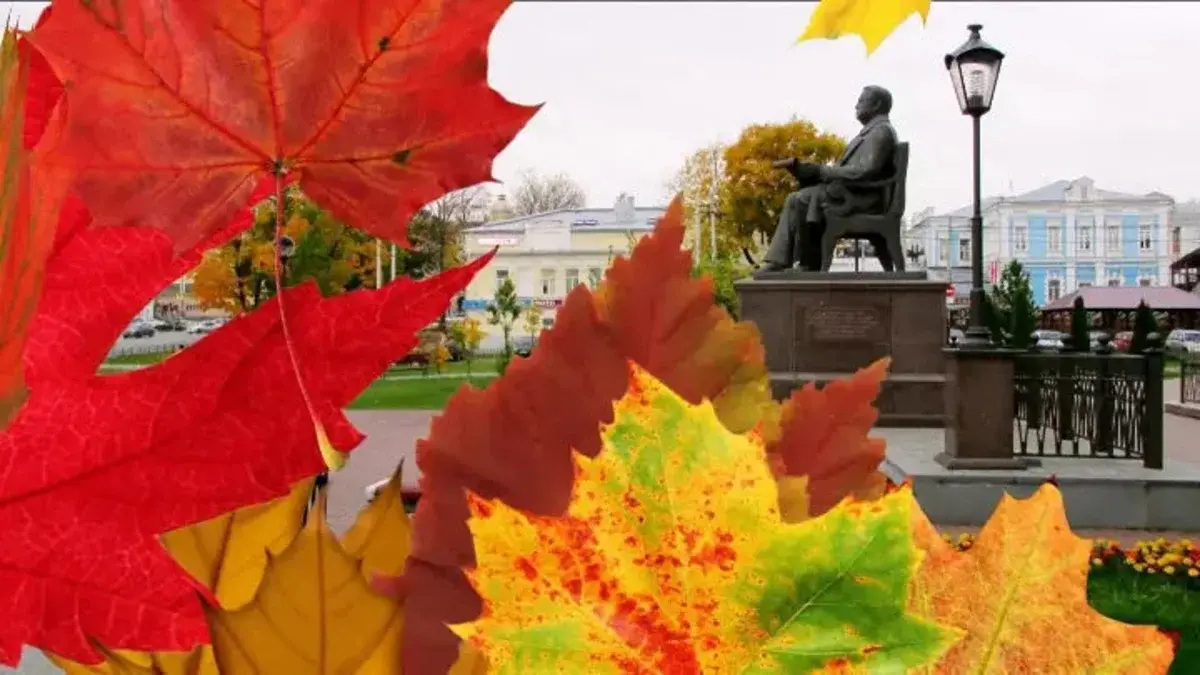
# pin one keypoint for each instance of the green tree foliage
(240, 275)
(1144, 324)
(504, 311)
(1013, 312)
(1081, 327)
(723, 270)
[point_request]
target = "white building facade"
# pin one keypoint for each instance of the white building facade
(546, 255)
(1067, 234)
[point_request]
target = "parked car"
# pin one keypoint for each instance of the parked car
(956, 336)
(1122, 340)
(1181, 341)
(204, 327)
(1094, 338)
(138, 329)
(417, 357)
(1049, 340)
(523, 345)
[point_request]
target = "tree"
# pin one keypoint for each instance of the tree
(503, 311)
(752, 191)
(1013, 311)
(726, 268)
(1144, 324)
(535, 193)
(699, 184)
(240, 275)
(533, 320)
(1081, 327)
(471, 338)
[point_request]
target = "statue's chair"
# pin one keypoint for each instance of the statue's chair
(881, 230)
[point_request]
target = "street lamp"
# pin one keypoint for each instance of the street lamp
(974, 69)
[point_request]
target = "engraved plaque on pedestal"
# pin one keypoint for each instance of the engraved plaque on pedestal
(820, 327)
(839, 337)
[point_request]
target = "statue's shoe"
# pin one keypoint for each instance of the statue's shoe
(771, 267)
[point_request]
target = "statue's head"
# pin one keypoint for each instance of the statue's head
(873, 101)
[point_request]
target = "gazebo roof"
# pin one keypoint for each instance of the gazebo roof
(1191, 259)
(1158, 298)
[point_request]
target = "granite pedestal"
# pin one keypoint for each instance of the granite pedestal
(820, 326)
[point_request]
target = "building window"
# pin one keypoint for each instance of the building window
(1112, 237)
(572, 279)
(1020, 238)
(1053, 289)
(1084, 228)
(1054, 239)
(1175, 240)
(501, 275)
(1145, 239)
(1085, 284)
(594, 276)
(1114, 281)
(548, 282)
(1145, 281)
(964, 250)
(943, 251)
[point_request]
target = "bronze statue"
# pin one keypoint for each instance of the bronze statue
(869, 156)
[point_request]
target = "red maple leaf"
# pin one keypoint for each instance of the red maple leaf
(92, 467)
(826, 437)
(180, 109)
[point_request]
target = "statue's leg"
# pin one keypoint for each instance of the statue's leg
(813, 228)
(780, 252)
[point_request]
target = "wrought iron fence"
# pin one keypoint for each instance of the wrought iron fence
(1090, 405)
(1189, 379)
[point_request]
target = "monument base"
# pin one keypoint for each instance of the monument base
(818, 327)
(986, 463)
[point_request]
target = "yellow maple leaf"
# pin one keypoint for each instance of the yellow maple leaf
(229, 554)
(298, 600)
(872, 20)
(1020, 596)
(673, 558)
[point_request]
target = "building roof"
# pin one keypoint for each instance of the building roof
(1056, 192)
(1159, 298)
(636, 218)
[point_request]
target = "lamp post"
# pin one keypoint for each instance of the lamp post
(974, 69)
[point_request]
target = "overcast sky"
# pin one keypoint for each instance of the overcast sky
(632, 88)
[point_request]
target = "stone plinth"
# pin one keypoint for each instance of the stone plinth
(817, 327)
(979, 409)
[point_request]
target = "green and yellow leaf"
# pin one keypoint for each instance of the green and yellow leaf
(673, 557)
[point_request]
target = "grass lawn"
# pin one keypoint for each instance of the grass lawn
(414, 393)
(137, 359)
(1170, 603)
(483, 364)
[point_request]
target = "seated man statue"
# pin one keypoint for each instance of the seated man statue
(868, 157)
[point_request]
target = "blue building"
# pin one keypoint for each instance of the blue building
(1067, 235)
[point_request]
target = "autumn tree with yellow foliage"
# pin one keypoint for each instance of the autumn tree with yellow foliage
(239, 276)
(735, 187)
(752, 191)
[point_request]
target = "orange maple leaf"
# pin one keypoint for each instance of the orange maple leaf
(514, 440)
(1020, 596)
(825, 444)
(180, 109)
